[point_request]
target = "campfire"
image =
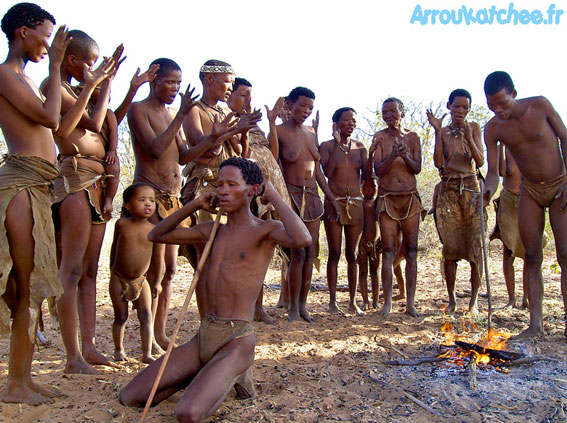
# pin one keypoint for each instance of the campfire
(488, 353)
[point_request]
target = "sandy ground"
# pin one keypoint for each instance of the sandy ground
(332, 370)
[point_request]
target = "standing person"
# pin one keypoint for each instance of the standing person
(343, 160)
(79, 194)
(28, 271)
(396, 155)
(535, 135)
(264, 152)
(160, 147)
(130, 258)
(299, 157)
(458, 154)
(507, 228)
(223, 350)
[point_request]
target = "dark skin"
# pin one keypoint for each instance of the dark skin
(396, 155)
(343, 171)
(80, 240)
(366, 263)
(300, 165)
(535, 135)
(444, 144)
(160, 147)
(27, 124)
(511, 180)
(232, 283)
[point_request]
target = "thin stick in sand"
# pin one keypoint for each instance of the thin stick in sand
(182, 313)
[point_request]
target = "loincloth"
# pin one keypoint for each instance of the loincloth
(399, 205)
(544, 192)
(350, 210)
(215, 332)
(507, 228)
(167, 204)
(131, 288)
(35, 175)
(76, 177)
(371, 248)
(457, 218)
(308, 204)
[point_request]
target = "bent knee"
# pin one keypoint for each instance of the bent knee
(129, 399)
(190, 413)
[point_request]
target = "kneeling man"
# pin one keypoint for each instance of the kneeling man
(222, 353)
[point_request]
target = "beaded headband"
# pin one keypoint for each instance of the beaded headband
(216, 69)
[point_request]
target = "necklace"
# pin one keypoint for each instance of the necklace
(455, 132)
(346, 150)
(217, 109)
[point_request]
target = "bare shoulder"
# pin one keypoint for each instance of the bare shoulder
(540, 102)
(474, 125)
(136, 107)
(326, 145)
(412, 137)
(358, 144)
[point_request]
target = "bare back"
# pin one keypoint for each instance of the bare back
(298, 154)
(162, 172)
(22, 133)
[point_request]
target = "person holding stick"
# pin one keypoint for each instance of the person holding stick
(223, 350)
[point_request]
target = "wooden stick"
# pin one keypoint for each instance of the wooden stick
(527, 360)
(414, 361)
(472, 372)
(422, 404)
(182, 313)
(484, 254)
(391, 347)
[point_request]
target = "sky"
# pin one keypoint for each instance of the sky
(350, 53)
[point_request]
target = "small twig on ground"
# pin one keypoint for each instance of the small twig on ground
(389, 347)
(472, 372)
(422, 404)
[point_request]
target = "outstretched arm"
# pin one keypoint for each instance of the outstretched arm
(291, 232)
(137, 81)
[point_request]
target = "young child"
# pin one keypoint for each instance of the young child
(130, 259)
(370, 245)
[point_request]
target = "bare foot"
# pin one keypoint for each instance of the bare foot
(282, 304)
(530, 332)
(156, 349)
(473, 311)
(48, 392)
(80, 367)
(365, 306)
(450, 309)
(374, 304)
(305, 315)
(510, 304)
(244, 385)
(525, 304)
(355, 309)
(293, 316)
(399, 297)
(148, 359)
(120, 356)
(162, 340)
(335, 309)
(412, 311)
(92, 356)
(262, 316)
(23, 394)
(386, 309)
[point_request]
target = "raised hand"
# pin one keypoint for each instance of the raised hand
(336, 134)
(58, 46)
(437, 123)
(222, 127)
(275, 112)
(316, 122)
(95, 77)
(140, 79)
(467, 129)
(209, 202)
(188, 100)
(248, 121)
(267, 191)
(376, 140)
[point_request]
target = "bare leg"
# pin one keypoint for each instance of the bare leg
(524, 287)
(76, 225)
(558, 219)
(532, 216)
(120, 307)
(111, 188)
(165, 296)
(450, 270)
(154, 278)
(400, 255)
(143, 306)
(508, 267)
(410, 231)
(87, 297)
(389, 232)
(333, 230)
(19, 223)
(313, 228)
(374, 266)
(363, 276)
(352, 239)
(260, 314)
(475, 286)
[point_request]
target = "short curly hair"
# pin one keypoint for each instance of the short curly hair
(251, 172)
(24, 14)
